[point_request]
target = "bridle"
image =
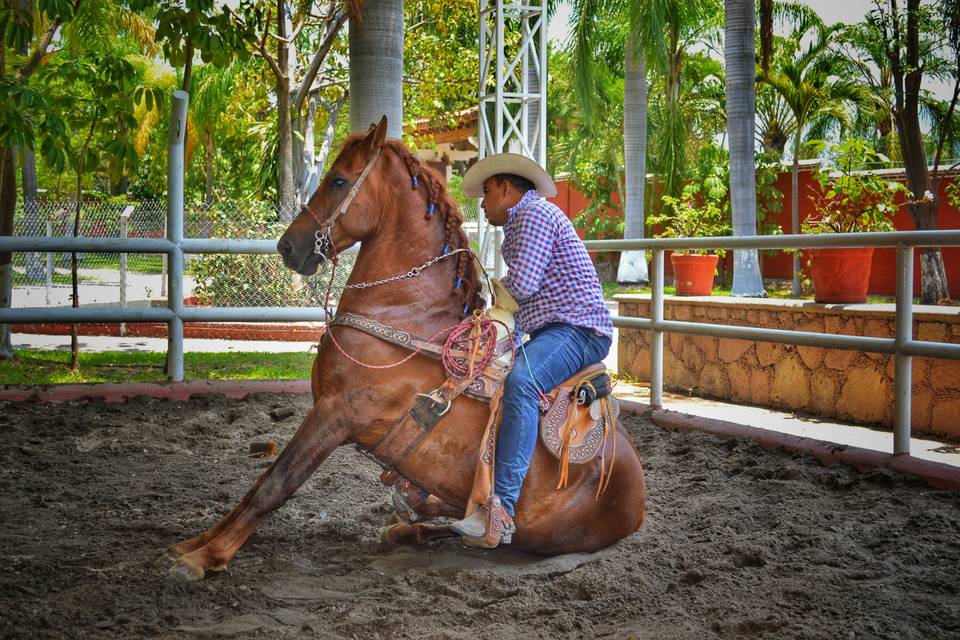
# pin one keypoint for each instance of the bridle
(323, 242)
(324, 247)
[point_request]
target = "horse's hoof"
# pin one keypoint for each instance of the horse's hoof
(385, 537)
(166, 559)
(186, 572)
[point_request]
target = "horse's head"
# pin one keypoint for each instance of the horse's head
(342, 211)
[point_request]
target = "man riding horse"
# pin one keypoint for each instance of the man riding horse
(562, 309)
(386, 373)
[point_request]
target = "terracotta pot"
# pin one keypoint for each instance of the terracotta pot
(693, 274)
(840, 275)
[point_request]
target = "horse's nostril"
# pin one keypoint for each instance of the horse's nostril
(284, 247)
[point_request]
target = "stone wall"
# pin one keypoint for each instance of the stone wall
(848, 385)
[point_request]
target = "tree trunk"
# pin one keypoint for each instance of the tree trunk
(75, 281)
(329, 132)
(8, 205)
(739, 50)
(188, 65)
(286, 193)
(307, 175)
(633, 264)
(933, 276)
(376, 67)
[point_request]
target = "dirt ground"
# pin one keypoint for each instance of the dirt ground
(739, 542)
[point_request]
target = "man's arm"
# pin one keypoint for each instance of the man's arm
(534, 245)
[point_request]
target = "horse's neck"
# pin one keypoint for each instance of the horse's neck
(417, 303)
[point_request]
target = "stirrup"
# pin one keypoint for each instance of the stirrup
(499, 529)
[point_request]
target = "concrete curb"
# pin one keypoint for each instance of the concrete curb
(939, 475)
(121, 391)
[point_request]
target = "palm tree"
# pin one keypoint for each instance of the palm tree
(807, 80)
(376, 67)
(739, 54)
(212, 90)
(683, 23)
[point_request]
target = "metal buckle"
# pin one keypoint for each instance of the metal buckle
(322, 243)
(437, 399)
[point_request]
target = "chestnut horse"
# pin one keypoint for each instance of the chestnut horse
(379, 195)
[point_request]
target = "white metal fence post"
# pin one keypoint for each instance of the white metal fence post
(903, 363)
(656, 335)
(178, 127)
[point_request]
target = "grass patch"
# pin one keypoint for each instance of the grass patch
(52, 367)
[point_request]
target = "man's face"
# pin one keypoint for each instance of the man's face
(497, 199)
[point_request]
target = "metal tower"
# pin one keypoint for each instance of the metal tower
(513, 85)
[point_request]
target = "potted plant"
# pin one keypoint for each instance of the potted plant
(691, 216)
(851, 199)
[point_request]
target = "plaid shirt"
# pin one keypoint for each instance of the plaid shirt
(549, 272)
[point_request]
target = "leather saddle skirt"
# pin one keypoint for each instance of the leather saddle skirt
(583, 424)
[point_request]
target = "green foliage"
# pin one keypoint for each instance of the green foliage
(440, 59)
(218, 33)
(592, 157)
(769, 198)
(851, 198)
(688, 217)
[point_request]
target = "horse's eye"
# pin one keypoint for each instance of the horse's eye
(337, 183)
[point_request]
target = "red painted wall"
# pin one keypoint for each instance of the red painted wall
(778, 265)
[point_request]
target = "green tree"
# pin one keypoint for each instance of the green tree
(23, 27)
(660, 35)
(213, 87)
(921, 39)
(739, 56)
(86, 93)
(807, 76)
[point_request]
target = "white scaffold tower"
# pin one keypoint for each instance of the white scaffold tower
(513, 90)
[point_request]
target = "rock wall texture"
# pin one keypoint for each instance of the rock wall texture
(848, 385)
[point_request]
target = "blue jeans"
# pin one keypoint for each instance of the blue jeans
(553, 354)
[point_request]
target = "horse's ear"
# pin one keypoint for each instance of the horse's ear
(377, 135)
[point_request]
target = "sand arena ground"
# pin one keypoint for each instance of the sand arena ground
(739, 542)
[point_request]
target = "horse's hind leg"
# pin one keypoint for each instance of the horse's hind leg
(416, 534)
(411, 503)
(312, 443)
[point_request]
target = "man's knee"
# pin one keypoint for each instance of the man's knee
(519, 384)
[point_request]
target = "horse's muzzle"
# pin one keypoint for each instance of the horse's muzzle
(305, 263)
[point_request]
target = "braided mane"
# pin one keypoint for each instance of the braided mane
(423, 177)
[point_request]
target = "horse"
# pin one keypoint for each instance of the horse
(378, 194)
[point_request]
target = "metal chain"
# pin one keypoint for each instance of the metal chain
(412, 273)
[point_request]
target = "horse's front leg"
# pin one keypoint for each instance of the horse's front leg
(322, 431)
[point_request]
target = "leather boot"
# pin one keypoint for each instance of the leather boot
(487, 527)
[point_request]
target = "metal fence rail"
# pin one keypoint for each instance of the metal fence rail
(902, 346)
(175, 246)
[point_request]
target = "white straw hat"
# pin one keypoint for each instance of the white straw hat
(512, 163)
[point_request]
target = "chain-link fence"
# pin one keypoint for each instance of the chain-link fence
(117, 279)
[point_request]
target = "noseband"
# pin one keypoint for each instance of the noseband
(323, 242)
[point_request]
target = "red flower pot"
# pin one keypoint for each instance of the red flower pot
(840, 275)
(693, 274)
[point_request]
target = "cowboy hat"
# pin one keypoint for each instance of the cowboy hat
(512, 163)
